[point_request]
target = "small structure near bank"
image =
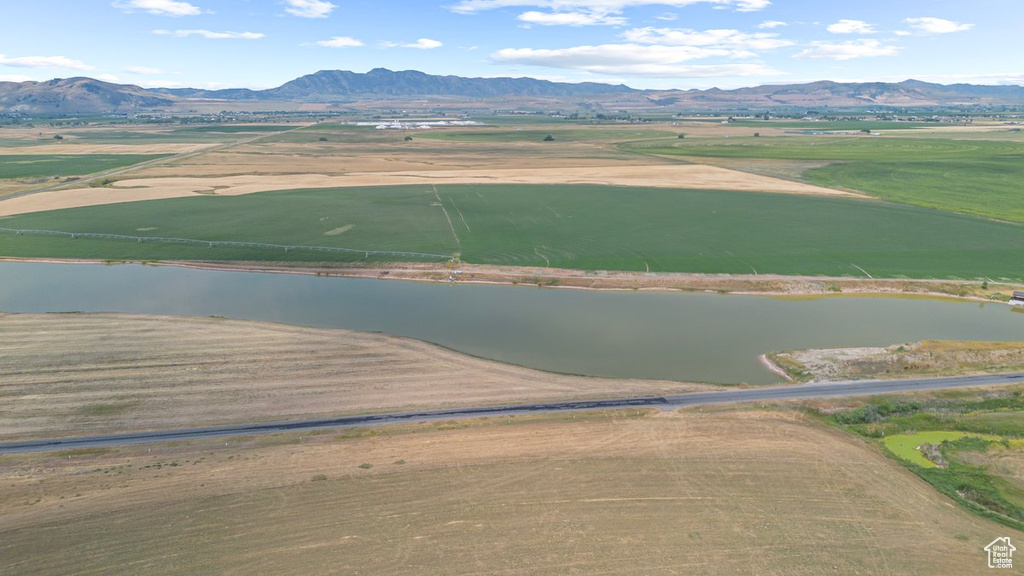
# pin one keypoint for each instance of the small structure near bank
(1018, 299)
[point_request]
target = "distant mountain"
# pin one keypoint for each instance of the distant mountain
(825, 93)
(77, 96)
(85, 95)
(330, 85)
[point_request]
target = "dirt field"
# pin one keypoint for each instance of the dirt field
(658, 176)
(66, 374)
(729, 492)
(913, 359)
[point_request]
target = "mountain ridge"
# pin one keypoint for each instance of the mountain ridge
(88, 95)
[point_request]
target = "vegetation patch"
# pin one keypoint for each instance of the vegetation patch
(949, 441)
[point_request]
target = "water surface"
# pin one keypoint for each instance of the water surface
(677, 336)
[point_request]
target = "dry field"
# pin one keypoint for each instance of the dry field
(658, 176)
(723, 492)
(66, 374)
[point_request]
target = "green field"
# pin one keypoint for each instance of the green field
(560, 134)
(582, 227)
(49, 165)
(966, 176)
(157, 136)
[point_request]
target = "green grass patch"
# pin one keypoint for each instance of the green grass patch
(905, 446)
(51, 165)
(585, 227)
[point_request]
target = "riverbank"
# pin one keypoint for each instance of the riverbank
(980, 290)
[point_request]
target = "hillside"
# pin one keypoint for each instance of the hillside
(86, 95)
(77, 96)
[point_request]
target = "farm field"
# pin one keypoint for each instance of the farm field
(53, 165)
(578, 227)
(968, 176)
(608, 492)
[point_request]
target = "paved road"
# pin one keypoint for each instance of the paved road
(831, 389)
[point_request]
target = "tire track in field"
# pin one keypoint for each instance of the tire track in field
(458, 244)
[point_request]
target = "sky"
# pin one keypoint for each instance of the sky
(642, 43)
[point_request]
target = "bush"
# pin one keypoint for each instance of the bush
(319, 478)
(549, 138)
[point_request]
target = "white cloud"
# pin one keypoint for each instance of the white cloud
(725, 39)
(606, 6)
(570, 18)
(16, 78)
(770, 24)
(210, 34)
(845, 26)
(339, 42)
(159, 7)
(309, 8)
(864, 48)
(107, 78)
(632, 60)
(44, 62)
(937, 25)
(144, 70)
(667, 17)
(421, 44)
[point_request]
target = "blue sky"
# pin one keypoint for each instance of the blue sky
(646, 44)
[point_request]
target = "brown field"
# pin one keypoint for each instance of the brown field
(659, 176)
(716, 492)
(66, 374)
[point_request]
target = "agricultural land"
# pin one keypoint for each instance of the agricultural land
(915, 483)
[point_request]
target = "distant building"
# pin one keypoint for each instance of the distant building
(1018, 299)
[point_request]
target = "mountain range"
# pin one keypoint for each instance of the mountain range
(87, 95)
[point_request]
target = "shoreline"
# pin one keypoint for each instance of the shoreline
(773, 367)
(767, 285)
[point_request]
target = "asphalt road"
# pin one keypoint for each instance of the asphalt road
(668, 402)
